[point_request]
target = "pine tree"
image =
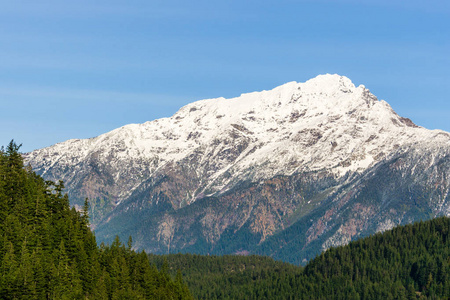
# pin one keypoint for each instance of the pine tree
(26, 281)
(47, 250)
(9, 271)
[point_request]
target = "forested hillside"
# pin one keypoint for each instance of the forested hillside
(47, 250)
(232, 276)
(408, 262)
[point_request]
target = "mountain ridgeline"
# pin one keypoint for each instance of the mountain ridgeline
(286, 173)
(47, 250)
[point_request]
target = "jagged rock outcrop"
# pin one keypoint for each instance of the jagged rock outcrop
(286, 172)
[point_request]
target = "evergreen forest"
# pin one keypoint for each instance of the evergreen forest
(47, 250)
(407, 262)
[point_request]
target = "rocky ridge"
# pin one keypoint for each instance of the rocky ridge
(255, 168)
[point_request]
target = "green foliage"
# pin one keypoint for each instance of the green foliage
(390, 264)
(408, 262)
(47, 250)
(230, 276)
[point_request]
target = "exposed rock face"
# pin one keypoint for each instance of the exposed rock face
(286, 172)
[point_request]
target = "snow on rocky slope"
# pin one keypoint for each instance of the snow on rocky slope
(324, 123)
(324, 160)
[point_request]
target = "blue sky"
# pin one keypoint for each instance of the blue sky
(77, 69)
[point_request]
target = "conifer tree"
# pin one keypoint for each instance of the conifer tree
(47, 250)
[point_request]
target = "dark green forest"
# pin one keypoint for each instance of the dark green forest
(47, 250)
(407, 262)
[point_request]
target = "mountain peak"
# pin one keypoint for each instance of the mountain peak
(327, 78)
(329, 83)
(324, 92)
(256, 165)
(324, 123)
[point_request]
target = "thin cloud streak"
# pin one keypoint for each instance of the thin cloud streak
(91, 95)
(150, 10)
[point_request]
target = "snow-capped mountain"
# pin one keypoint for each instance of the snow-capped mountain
(260, 164)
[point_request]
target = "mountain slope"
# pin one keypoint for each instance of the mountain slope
(302, 166)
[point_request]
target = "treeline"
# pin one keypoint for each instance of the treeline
(231, 276)
(47, 250)
(407, 262)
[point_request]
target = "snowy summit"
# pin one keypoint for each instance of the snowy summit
(324, 123)
(323, 160)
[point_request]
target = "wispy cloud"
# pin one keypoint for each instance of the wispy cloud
(157, 10)
(98, 96)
